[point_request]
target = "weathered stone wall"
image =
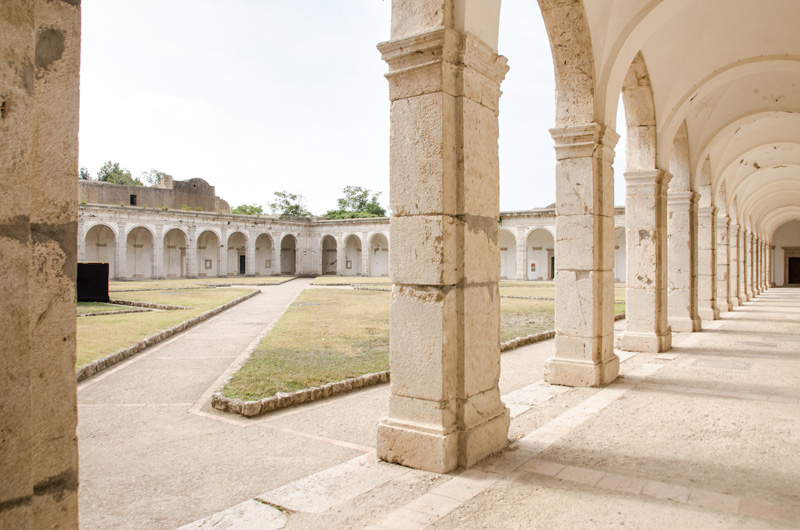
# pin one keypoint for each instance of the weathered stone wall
(192, 193)
(39, 102)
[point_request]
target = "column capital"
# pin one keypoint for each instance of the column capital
(682, 197)
(707, 211)
(582, 140)
(648, 176)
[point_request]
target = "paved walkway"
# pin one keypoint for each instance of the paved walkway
(705, 437)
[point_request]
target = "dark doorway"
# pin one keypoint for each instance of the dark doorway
(552, 267)
(794, 270)
(241, 264)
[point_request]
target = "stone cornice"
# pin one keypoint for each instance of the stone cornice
(682, 197)
(583, 140)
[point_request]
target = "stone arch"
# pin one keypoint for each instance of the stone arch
(174, 254)
(508, 255)
(379, 255)
(289, 254)
(101, 246)
(139, 252)
(237, 253)
(540, 255)
(263, 255)
(352, 255)
(640, 114)
(208, 254)
(329, 250)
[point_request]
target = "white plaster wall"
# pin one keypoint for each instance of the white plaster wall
(379, 256)
(787, 235)
(541, 240)
(508, 255)
(264, 265)
(101, 247)
(352, 256)
(140, 253)
(619, 255)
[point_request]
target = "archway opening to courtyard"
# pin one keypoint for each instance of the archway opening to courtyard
(263, 265)
(288, 254)
(329, 258)
(352, 256)
(379, 255)
(208, 254)
(139, 253)
(174, 254)
(619, 254)
(508, 255)
(100, 246)
(237, 254)
(540, 252)
(786, 260)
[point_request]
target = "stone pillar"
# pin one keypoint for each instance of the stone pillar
(340, 256)
(764, 266)
(733, 264)
(191, 251)
(250, 255)
(222, 254)
(276, 254)
(39, 101)
(723, 272)
(646, 328)
(445, 409)
(742, 266)
(757, 266)
(584, 257)
(771, 265)
(748, 264)
(81, 241)
(365, 270)
(122, 253)
(682, 273)
(158, 252)
(706, 263)
(521, 253)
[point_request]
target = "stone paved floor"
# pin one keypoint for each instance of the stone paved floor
(704, 437)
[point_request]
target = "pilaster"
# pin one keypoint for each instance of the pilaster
(646, 328)
(445, 409)
(682, 270)
(585, 257)
(707, 263)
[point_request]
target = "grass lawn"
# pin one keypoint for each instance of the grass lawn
(196, 283)
(346, 280)
(329, 335)
(545, 289)
(326, 335)
(87, 308)
(103, 335)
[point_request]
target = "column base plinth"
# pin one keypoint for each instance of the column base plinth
(708, 314)
(645, 342)
(415, 446)
(681, 324)
(569, 372)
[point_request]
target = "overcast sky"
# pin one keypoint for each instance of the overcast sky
(257, 96)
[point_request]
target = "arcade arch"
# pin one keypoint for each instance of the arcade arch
(139, 253)
(237, 254)
(378, 255)
(174, 254)
(540, 255)
(288, 254)
(100, 245)
(329, 253)
(264, 251)
(508, 255)
(208, 254)
(352, 256)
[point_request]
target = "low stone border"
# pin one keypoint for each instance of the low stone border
(208, 286)
(621, 316)
(524, 341)
(104, 313)
(527, 297)
(281, 400)
(148, 305)
(367, 287)
(106, 362)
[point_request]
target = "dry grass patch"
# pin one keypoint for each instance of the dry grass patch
(326, 335)
(87, 308)
(194, 283)
(103, 335)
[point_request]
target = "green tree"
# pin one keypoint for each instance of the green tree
(111, 172)
(286, 203)
(84, 174)
(154, 176)
(248, 209)
(357, 202)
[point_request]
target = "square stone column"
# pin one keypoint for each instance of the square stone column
(191, 252)
(250, 255)
(756, 265)
(585, 257)
(707, 263)
(764, 266)
(158, 253)
(121, 256)
(646, 328)
(733, 264)
(742, 266)
(445, 409)
(276, 253)
(522, 250)
(723, 264)
(748, 264)
(682, 270)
